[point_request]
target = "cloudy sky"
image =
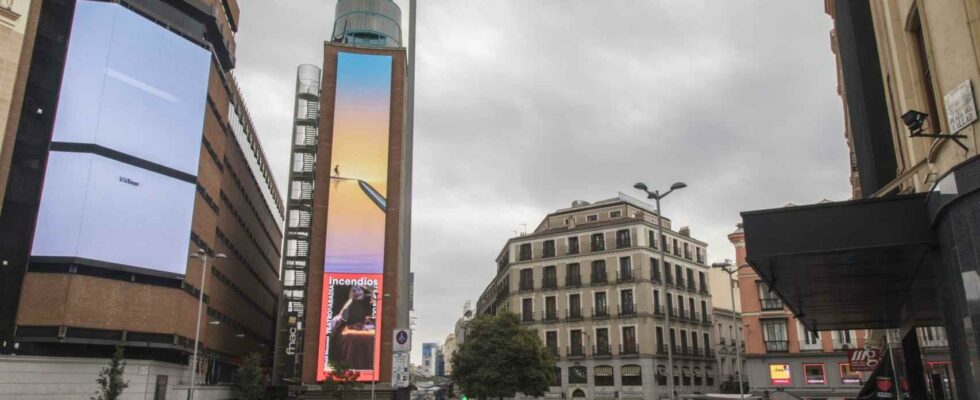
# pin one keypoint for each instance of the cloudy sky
(523, 106)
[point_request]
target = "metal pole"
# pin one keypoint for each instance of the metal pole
(670, 350)
(738, 329)
(891, 359)
(197, 330)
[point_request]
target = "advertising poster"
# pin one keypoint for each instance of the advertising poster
(779, 375)
(356, 219)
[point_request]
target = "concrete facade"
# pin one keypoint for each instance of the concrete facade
(14, 16)
(590, 282)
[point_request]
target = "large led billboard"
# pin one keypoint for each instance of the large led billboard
(356, 218)
(120, 180)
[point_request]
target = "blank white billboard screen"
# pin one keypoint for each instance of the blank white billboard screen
(133, 86)
(96, 208)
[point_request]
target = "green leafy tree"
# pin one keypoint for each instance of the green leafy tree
(111, 384)
(501, 358)
(341, 380)
(250, 385)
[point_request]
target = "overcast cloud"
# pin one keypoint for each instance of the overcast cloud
(523, 106)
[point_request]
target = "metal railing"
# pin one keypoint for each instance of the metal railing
(599, 279)
(602, 350)
(600, 312)
(629, 348)
(627, 310)
(549, 283)
(551, 315)
(575, 351)
(526, 285)
(624, 276)
(771, 304)
(777, 346)
(573, 280)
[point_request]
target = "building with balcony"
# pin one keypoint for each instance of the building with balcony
(589, 280)
(773, 338)
(157, 139)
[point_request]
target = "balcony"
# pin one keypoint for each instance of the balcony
(548, 252)
(624, 243)
(625, 276)
(551, 315)
(706, 319)
(627, 310)
(573, 314)
(549, 283)
(655, 277)
(661, 349)
(599, 279)
(600, 312)
(816, 346)
(708, 353)
(680, 350)
(573, 280)
(598, 246)
(553, 351)
(777, 346)
(575, 351)
(629, 349)
(681, 315)
(679, 283)
(704, 290)
(695, 351)
(658, 311)
(771, 304)
(687, 254)
(602, 350)
(669, 280)
(695, 317)
(527, 317)
(525, 286)
(691, 287)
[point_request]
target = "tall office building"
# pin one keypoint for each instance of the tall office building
(345, 270)
(16, 22)
(902, 255)
(137, 151)
(589, 280)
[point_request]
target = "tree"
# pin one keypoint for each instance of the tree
(250, 385)
(341, 380)
(111, 384)
(501, 358)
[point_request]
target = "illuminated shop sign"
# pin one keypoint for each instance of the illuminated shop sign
(779, 375)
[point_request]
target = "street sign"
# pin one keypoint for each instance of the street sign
(403, 340)
(865, 359)
(961, 110)
(400, 373)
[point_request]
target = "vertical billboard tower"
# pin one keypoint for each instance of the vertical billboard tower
(357, 221)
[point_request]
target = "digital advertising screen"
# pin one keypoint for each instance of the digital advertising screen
(133, 86)
(100, 209)
(779, 375)
(119, 186)
(355, 239)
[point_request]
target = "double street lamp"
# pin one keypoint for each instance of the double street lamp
(203, 256)
(656, 195)
(731, 269)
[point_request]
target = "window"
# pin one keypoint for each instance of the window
(549, 248)
(707, 345)
(629, 341)
(654, 269)
(573, 276)
(626, 302)
(925, 71)
(631, 375)
(652, 238)
(683, 349)
(527, 279)
(660, 342)
(603, 375)
(687, 251)
(527, 310)
(625, 269)
(668, 274)
(687, 376)
(615, 214)
(690, 306)
(774, 334)
(550, 279)
(690, 279)
(694, 342)
(681, 311)
(699, 254)
(656, 302)
(550, 309)
(599, 271)
(598, 242)
(768, 298)
(623, 239)
(704, 311)
(709, 376)
(814, 374)
(592, 218)
(575, 306)
(602, 341)
(573, 245)
(556, 381)
(702, 282)
(599, 307)
(679, 273)
(670, 305)
(677, 247)
(697, 376)
(575, 339)
(525, 252)
(661, 375)
(551, 342)
(578, 375)
(847, 376)
(663, 242)
(809, 340)
(843, 340)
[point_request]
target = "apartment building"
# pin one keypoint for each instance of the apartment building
(781, 356)
(589, 280)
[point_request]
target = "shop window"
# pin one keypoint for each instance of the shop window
(848, 376)
(631, 375)
(814, 374)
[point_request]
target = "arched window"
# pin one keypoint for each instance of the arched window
(578, 393)
(631, 375)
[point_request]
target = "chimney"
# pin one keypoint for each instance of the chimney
(685, 231)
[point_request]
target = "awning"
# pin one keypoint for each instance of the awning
(686, 372)
(661, 370)
(849, 265)
(631, 370)
(602, 370)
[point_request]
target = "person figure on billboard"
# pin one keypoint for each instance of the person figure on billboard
(336, 170)
(353, 329)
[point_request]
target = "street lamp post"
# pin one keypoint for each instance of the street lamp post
(203, 256)
(727, 267)
(656, 195)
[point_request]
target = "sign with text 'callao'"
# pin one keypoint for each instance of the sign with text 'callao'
(866, 359)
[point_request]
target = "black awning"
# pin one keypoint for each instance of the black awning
(848, 265)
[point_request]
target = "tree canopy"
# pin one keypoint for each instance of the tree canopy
(500, 358)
